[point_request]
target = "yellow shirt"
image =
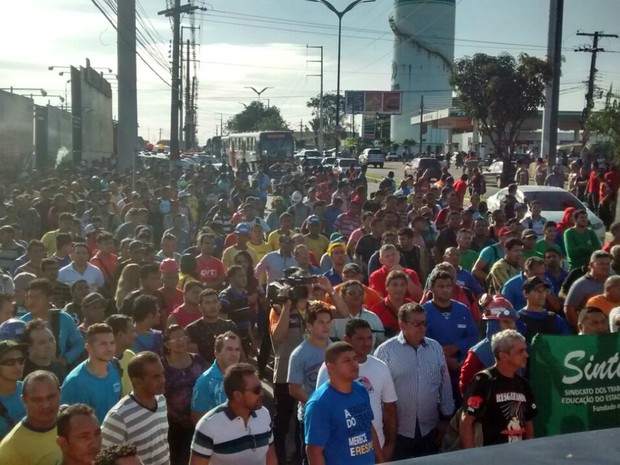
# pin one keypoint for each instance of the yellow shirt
(261, 250)
(128, 356)
(317, 246)
(228, 257)
(49, 241)
(274, 240)
(23, 446)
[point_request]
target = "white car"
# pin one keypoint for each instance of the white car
(554, 200)
(374, 157)
(341, 165)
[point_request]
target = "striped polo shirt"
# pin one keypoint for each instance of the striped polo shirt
(225, 439)
(131, 422)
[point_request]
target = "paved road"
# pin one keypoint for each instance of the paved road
(399, 172)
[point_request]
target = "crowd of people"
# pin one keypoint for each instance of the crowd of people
(143, 315)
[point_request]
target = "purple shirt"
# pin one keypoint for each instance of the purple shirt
(179, 386)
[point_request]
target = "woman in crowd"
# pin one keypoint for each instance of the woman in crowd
(181, 369)
(128, 282)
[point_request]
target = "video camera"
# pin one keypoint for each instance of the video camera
(293, 288)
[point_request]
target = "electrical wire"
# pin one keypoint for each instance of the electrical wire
(105, 14)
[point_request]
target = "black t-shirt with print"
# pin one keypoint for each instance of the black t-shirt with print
(505, 411)
(203, 335)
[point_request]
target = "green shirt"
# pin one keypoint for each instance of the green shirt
(529, 253)
(541, 248)
(579, 246)
(468, 258)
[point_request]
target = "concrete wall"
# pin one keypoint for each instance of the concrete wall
(16, 133)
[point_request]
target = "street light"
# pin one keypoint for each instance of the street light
(51, 68)
(257, 92)
(340, 14)
(22, 89)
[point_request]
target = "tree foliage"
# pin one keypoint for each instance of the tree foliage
(255, 117)
(606, 122)
(329, 110)
(501, 92)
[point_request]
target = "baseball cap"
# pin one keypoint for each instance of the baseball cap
(528, 233)
(352, 268)
(242, 228)
(12, 329)
(336, 237)
(92, 298)
(168, 265)
(504, 232)
(296, 196)
(136, 245)
(7, 345)
(313, 219)
(532, 283)
(499, 308)
(90, 228)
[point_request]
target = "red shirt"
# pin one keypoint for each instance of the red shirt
(377, 280)
(183, 317)
(107, 263)
(460, 187)
(172, 299)
(594, 182)
(442, 216)
(210, 270)
(387, 313)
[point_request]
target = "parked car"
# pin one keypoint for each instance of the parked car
(493, 173)
(341, 165)
(374, 157)
(393, 156)
(309, 153)
(304, 162)
(419, 165)
(554, 200)
(328, 162)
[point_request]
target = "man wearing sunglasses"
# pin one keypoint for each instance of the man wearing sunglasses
(12, 358)
(418, 366)
(238, 431)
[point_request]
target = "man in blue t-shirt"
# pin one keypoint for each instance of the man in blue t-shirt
(12, 358)
(208, 391)
(338, 416)
(96, 381)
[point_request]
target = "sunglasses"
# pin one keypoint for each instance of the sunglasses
(417, 324)
(256, 389)
(11, 362)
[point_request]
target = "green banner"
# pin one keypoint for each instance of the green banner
(576, 383)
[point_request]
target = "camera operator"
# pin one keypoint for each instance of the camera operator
(289, 301)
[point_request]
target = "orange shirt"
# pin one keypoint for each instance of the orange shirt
(602, 302)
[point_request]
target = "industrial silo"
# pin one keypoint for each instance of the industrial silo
(423, 55)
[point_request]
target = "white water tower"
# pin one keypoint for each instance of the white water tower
(423, 56)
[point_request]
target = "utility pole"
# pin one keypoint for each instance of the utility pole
(421, 121)
(188, 106)
(127, 88)
(594, 50)
(321, 127)
(301, 128)
(552, 92)
(221, 122)
(175, 13)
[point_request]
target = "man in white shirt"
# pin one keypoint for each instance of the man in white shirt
(375, 376)
(79, 268)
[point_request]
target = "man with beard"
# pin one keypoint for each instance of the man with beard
(238, 431)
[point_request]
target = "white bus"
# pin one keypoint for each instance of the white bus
(266, 147)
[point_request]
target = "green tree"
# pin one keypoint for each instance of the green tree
(256, 117)
(501, 92)
(606, 122)
(329, 110)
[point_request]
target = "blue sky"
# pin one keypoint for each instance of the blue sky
(263, 43)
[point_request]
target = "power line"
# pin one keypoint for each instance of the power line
(100, 8)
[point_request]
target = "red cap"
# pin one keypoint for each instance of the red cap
(504, 232)
(168, 264)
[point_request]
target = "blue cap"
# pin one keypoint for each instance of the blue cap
(313, 219)
(242, 228)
